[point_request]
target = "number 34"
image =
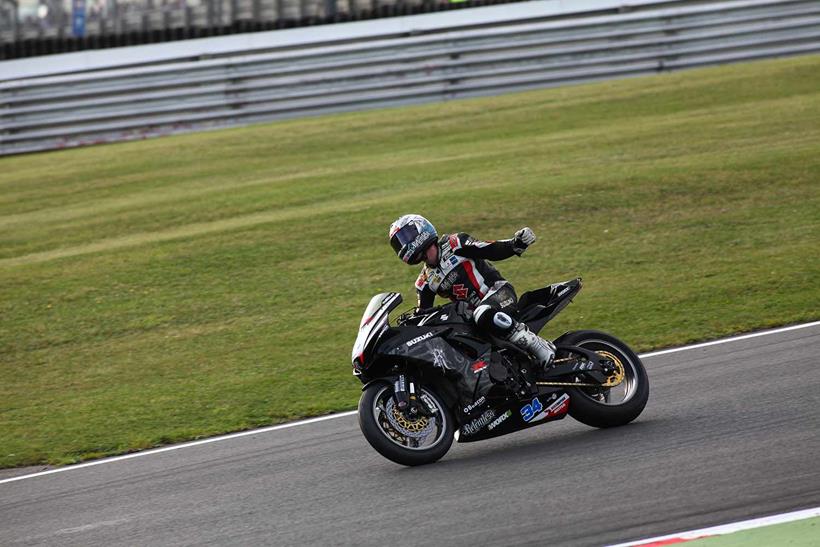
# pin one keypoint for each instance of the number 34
(528, 412)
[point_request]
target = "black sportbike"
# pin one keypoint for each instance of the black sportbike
(434, 377)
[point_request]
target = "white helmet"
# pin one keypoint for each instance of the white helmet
(410, 236)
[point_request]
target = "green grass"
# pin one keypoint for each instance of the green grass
(800, 533)
(168, 289)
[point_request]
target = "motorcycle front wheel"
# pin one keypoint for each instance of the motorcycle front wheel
(405, 440)
(613, 406)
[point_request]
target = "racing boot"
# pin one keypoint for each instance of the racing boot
(542, 350)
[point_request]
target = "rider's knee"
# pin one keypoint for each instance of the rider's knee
(493, 321)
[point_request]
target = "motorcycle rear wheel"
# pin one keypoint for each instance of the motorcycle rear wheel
(609, 407)
(413, 442)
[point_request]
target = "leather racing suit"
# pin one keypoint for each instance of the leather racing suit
(464, 273)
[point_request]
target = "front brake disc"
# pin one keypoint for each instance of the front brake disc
(418, 428)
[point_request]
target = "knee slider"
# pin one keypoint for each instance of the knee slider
(503, 322)
(495, 322)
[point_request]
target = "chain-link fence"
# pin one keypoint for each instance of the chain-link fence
(40, 27)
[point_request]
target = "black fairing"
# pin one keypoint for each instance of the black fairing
(442, 348)
(514, 414)
(538, 307)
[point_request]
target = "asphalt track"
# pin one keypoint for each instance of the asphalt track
(731, 432)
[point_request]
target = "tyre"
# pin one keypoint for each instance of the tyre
(416, 441)
(617, 405)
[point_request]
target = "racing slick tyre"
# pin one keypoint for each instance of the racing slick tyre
(408, 441)
(613, 406)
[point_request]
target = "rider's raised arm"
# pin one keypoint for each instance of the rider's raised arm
(468, 247)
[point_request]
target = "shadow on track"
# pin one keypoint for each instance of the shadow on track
(551, 449)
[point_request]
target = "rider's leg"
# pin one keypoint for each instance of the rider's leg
(493, 316)
(542, 350)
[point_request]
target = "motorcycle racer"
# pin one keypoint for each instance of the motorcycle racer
(456, 266)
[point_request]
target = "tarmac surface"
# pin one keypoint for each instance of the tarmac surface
(731, 432)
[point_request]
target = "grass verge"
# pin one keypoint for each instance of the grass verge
(164, 290)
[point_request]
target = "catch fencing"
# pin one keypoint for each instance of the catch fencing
(124, 104)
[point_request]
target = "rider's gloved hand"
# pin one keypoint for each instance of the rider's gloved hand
(523, 239)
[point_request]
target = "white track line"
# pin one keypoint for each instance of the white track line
(353, 412)
(732, 339)
(682, 537)
(184, 445)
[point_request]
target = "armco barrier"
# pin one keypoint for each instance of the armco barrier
(115, 105)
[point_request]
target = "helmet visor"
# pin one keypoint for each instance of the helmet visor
(403, 237)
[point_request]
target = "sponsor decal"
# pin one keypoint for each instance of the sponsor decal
(460, 291)
(453, 241)
(418, 339)
(475, 405)
(431, 406)
(422, 279)
(411, 247)
(419, 240)
(507, 302)
(535, 411)
(448, 281)
(563, 291)
(478, 366)
(438, 358)
(582, 366)
(529, 412)
(445, 317)
(453, 260)
(476, 425)
(498, 421)
(558, 407)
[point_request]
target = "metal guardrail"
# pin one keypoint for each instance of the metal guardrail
(116, 105)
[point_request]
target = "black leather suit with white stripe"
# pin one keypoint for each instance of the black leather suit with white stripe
(464, 273)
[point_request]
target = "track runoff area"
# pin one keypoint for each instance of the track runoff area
(798, 528)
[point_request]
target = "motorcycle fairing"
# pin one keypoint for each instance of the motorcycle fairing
(444, 339)
(438, 353)
(448, 314)
(514, 415)
(538, 307)
(373, 324)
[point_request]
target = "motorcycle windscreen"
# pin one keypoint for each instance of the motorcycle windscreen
(382, 303)
(374, 320)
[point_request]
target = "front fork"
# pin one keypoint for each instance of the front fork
(411, 403)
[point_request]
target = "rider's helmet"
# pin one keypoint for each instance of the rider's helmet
(410, 236)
